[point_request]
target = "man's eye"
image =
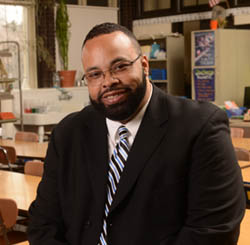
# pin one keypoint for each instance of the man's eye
(94, 75)
(120, 67)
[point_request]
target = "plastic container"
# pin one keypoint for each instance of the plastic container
(213, 24)
(56, 80)
(158, 74)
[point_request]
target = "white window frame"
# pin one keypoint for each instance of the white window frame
(31, 65)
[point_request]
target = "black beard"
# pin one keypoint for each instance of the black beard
(124, 110)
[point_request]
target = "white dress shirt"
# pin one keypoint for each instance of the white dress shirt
(132, 126)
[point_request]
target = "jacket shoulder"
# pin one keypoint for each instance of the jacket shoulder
(77, 121)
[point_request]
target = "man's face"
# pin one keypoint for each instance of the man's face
(118, 96)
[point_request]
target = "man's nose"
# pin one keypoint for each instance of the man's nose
(108, 79)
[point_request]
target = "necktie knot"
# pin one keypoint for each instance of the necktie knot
(123, 132)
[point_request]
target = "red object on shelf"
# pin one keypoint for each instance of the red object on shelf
(213, 24)
(6, 115)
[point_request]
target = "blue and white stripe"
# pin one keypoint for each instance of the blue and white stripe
(116, 166)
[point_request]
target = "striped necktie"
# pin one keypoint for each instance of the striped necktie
(116, 166)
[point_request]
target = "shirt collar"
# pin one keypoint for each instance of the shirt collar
(132, 125)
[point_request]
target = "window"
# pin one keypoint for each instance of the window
(194, 5)
(155, 8)
(97, 2)
(102, 3)
(149, 5)
(14, 26)
(243, 3)
(69, 1)
(187, 3)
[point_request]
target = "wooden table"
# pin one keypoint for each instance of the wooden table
(27, 149)
(244, 164)
(246, 175)
(239, 123)
(241, 142)
(20, 187)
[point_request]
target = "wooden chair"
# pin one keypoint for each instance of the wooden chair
(242, 154)
(8, 159)
(34, 168)
(8, 217)
(26, 136)
(237, 132)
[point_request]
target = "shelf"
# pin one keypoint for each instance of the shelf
(152, 38)
(7, 80)
(157, 60)
(14, 52)
(9, 120)
(172, 62)
(159, 81)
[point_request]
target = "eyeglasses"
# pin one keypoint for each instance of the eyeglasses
(117, 70)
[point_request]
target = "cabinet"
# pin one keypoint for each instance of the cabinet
(172, 62)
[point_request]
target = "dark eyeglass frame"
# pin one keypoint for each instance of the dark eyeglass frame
(110, 70)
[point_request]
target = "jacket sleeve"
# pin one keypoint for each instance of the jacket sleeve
(216, 201)
(46, 225)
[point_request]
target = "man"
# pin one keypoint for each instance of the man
(173, 177)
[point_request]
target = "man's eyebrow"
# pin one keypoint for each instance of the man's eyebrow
(118, 59)
(92, 68)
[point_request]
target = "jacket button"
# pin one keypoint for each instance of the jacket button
(87, 224)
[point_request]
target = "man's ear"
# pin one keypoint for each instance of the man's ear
(145, 65)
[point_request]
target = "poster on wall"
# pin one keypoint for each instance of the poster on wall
(204, 80)
(204, 48)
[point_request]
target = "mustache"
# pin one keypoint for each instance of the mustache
(126, 88)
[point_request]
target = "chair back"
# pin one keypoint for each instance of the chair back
(8, 218)
(242, 154)
(8, 212)
(34, 168)
(26, 136)
(7, 155)
(237, 132)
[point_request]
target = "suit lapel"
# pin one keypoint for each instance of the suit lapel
(97, 151)
(148, 137)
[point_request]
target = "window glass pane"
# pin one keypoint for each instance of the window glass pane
(69, 1)
(187, 3)
(243, 2)
(203, 2)
(150, 5)
(72, 2)
(206, 1)
(97, 2)
(13, 27)
(164, 4)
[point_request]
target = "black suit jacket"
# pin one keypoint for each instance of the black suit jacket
(181, 184)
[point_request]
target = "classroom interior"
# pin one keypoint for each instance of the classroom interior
(195, 51)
